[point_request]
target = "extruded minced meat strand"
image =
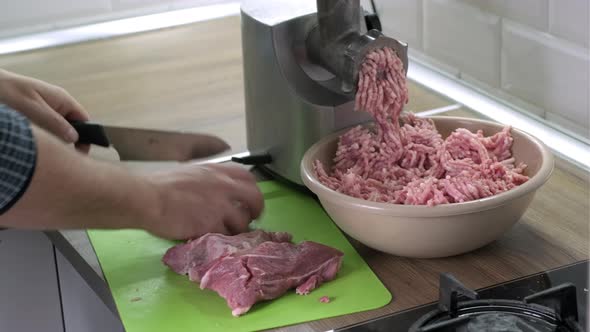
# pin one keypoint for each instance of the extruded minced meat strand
(404, 160)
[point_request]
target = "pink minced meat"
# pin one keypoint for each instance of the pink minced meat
(404, 160)
(254, 266)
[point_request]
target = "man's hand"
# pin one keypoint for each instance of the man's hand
(46, 105)
(195, 200)
(71, 192)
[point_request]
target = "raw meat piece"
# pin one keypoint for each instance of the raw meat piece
(404, 160)
(270, 270)
(254, 266)
(196, 256)
(324, 299)
(310, 284)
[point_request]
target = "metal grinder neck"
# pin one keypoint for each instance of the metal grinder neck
(338, 44)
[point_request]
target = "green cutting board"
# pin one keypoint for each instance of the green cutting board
(150, 297)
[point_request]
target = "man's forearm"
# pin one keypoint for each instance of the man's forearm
(72, 191)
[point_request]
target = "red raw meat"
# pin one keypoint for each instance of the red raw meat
(255, 266)
(196, 256)
(269, 271)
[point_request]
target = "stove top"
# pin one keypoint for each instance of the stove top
(555, 300)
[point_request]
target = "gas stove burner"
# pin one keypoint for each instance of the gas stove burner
(544, 301)
(554, 309)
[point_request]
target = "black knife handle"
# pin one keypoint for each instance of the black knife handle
(90, 133)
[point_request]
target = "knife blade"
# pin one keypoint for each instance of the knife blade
(136, 144)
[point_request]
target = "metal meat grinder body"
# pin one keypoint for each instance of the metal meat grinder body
(301, 61)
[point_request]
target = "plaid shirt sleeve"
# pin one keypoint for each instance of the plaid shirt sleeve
(18, 156)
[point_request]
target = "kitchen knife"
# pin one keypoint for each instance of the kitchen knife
(149, 145)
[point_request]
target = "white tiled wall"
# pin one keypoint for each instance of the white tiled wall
(530, 12)
(467, 38)
(533, 51)
(24, 16)
(17, 17)
(566, 20)
(19, 13)
(407, 15)
(546, 71)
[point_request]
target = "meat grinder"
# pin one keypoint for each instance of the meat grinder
(301, 61)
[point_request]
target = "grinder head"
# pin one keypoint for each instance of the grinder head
(301, 61)
(356, 51)
(338, 44)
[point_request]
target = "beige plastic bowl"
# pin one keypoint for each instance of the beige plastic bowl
(440, 231)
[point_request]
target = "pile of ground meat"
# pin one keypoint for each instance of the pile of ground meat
(404, 160)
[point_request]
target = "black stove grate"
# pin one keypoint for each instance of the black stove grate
(554, 309)
(556, 300)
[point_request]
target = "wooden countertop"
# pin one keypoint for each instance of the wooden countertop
(190, 77)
